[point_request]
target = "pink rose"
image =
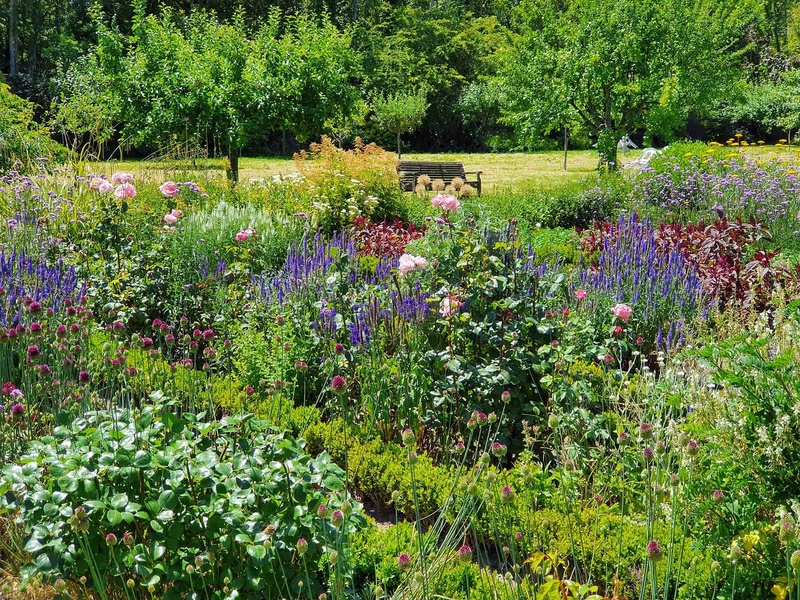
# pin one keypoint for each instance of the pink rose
(580, 294)
(409, 262)
(176, 213)
(125, 190)
(95, 183)
(622, 311)
(446, 202)
(449, 307)
(241, 236)
(169, 189)
(105, 188)
(121, 177)
(170, 219)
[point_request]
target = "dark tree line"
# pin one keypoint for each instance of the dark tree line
(463, 56)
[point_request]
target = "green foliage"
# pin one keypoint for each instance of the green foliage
(187, 501)
(399, 113)
(613, 67)
(341, 185)
(195, 76)
(22, 140)
(764, 379)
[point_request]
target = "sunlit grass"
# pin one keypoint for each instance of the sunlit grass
(501, 172)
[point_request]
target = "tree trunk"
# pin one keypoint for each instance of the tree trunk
(233, 158)
(398, 145)
(566, 143)
(607, 148)
(12, 38)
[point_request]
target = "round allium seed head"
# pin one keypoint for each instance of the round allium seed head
(661, 448)
(420, 189)
(505, 396)
(795, 561)
(787, 532)
(736, 552)
(465, 554)
(408, 437)
(347, 508)
(337, 518)
(648, 453)
(482, 419)
(457, 183)
(111, 540)
(322, 511)
(437, 185)
(646, 431)
(338, 384)
(333, 557)
(623, 439)
(498, 449)
(404, 562)
(507, 494)
(692, 448)
(717, 496)
(467, 190)
(653, 551)
(424, 180)
(302, 546)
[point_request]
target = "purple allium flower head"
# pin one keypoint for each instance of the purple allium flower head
(653, 551)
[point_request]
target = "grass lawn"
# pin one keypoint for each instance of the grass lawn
(501, 172)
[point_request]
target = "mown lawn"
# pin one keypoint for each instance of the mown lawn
(501, 172)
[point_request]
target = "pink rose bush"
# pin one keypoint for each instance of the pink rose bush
(121, 177)
(449, 307)
(244, 234)
(125, 190)
(622, 312)
(169, 189)
(446, 202)
(105, 188)
(409, 262)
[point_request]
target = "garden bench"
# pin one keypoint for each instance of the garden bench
(410, 171)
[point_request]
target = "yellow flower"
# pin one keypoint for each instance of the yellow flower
(791, 172)
(782, 141)
(738, 135)
(688, 154)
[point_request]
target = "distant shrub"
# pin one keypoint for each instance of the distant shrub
(21, 138)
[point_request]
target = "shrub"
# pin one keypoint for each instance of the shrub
(22, 140)
(350, 183)
(177, 505)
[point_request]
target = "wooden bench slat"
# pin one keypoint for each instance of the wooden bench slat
(410, 171)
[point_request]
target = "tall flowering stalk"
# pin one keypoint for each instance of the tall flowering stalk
(632, 265)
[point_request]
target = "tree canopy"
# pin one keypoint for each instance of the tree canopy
(616, 66)
(193, 77)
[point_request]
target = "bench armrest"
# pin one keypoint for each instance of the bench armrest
(473, 173)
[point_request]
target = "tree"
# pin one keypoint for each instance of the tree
(193, 77)
(615, 66)
(399, 113)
